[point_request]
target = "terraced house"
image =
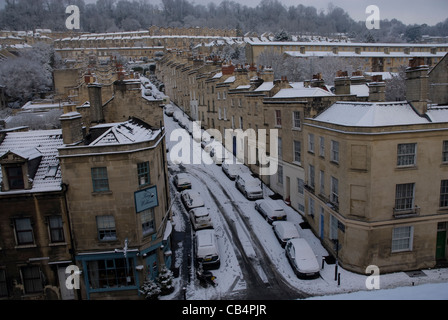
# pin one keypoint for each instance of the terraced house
(341, 154)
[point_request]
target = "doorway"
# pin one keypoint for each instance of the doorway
(441, 241)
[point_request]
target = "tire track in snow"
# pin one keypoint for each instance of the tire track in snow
(277, 285)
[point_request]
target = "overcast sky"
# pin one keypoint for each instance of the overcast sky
(407, 11)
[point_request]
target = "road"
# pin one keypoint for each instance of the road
(254, 277)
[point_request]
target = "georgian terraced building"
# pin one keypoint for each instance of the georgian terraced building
(353, 165)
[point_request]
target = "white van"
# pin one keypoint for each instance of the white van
(249, 186)
(284, 231)
(270, 210)
(302, 259)
(206, 249)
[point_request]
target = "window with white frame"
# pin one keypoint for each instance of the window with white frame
(278, 118)
(444, 193)
(280, 174)
(311, 142)
(24, 231)
(321, 182)
(297, 151)
(296, 124)
(445, 152)
(300, 186)
(225, 113)
(311, 176)
(322, 146)
(56, 229)
(106, 228)
(404, 196)
(334, 190)
(311, 207)
(219, 113)
(402, 238)
(148, 221)
(406, 154)
(334, 151)
(279, 148)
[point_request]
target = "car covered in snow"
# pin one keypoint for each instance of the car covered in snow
(232, 170)
(249, 186)
(148, 92)
(219, 155)
(285, 231)
(206, 249)
(191, 199)
(200, 218)
(302, 259)
(182, 181)
(270, 210)
(169, 110)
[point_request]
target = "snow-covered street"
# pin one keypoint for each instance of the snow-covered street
(253, 264)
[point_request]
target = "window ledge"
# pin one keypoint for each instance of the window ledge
(57, 244)
(100, 193)
(410, 167)
(25, 246)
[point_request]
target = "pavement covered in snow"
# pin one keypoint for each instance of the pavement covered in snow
(240, 230)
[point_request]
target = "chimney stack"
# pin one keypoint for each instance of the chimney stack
(377, 89)
(342, 83)
(96, 103)
(71, 124)
(417, 84)
(317, 81)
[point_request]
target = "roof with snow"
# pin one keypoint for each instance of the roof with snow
(131, 131)
(302, 92)
(31, 145)
(372, 114)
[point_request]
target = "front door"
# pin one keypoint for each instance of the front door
(152, 266)
(441, 241)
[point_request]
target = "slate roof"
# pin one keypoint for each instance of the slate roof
(31, 145)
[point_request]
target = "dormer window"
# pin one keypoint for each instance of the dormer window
(19, 168)
(14, 175)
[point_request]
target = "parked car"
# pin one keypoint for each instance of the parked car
(148, 92)
(249, 186)
(206, 249)
(232, 170)
(270, 210)
(182, 181)
(191, 199)
(200, 218)
(284, 231)
(169, 110)
(302, 258)
(219, 155)
(177, 115)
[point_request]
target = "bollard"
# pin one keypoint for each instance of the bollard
(323, 263)
(336, 272)
(339, 279)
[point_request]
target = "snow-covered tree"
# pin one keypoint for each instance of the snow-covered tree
(150, 289)
(165, 281)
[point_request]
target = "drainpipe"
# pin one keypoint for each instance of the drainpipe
(72, 243)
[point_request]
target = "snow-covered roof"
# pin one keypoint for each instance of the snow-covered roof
(364, 54)
(360, 90)
(131, 131)
(302, 93)
(438, 113)
(230, 79)
(33, 144)
(265, 86)
(371, 114)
